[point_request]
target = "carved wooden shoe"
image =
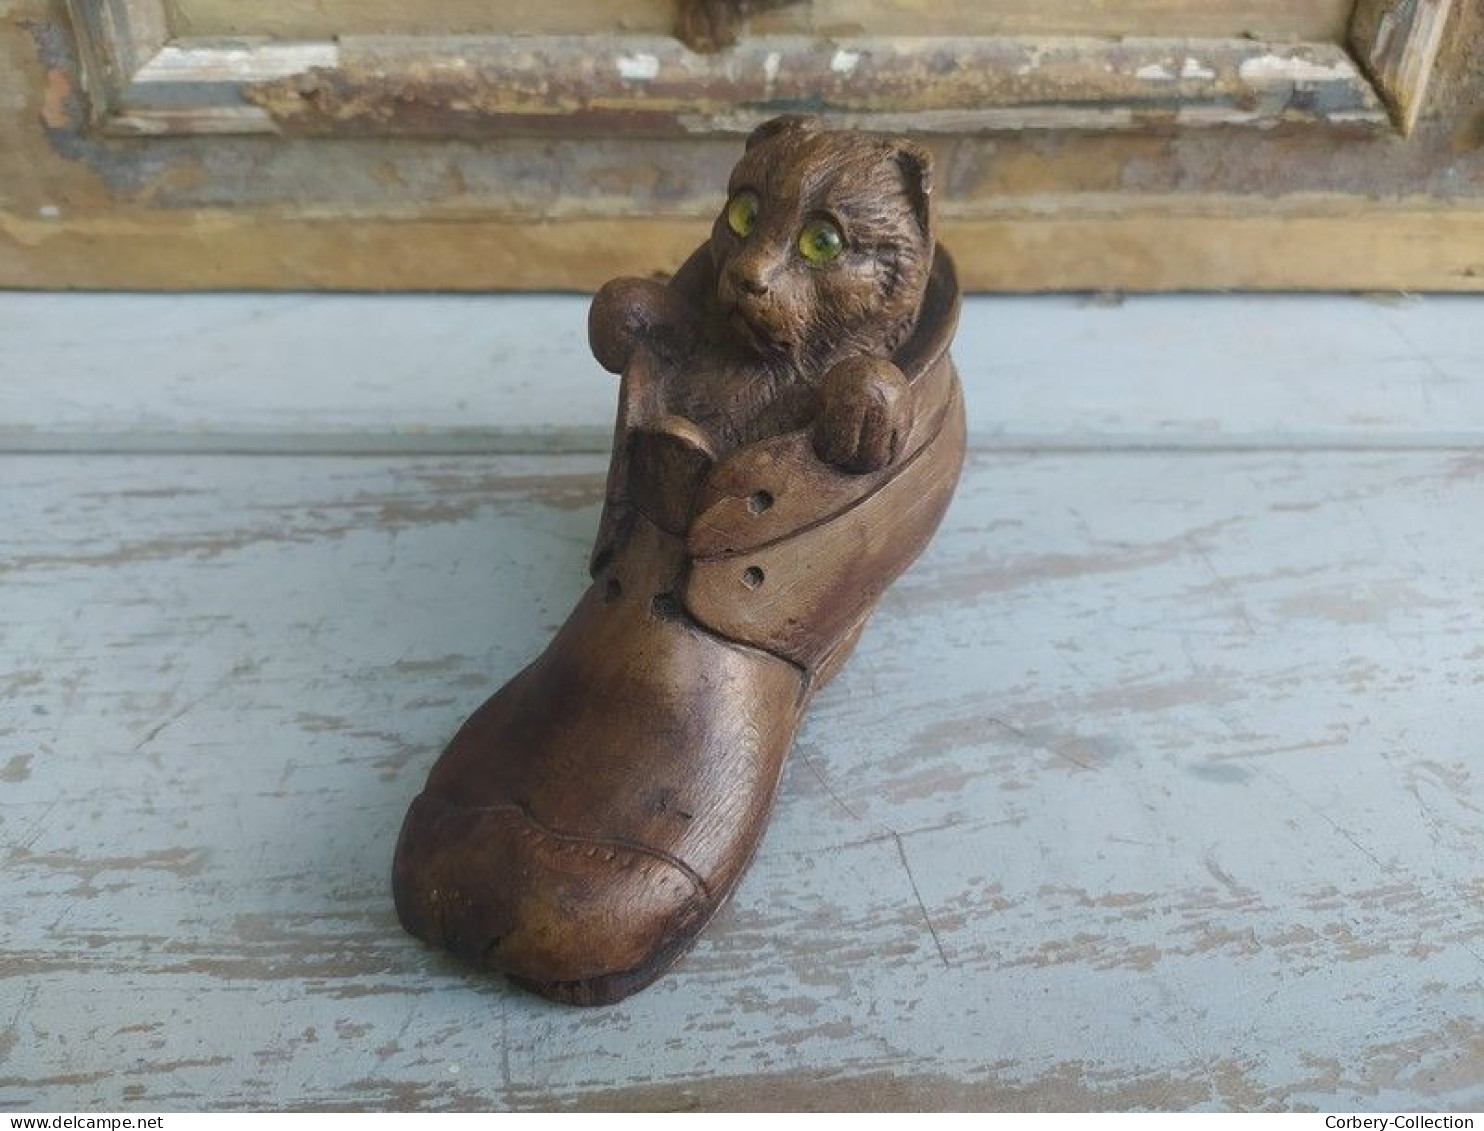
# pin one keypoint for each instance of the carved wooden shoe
(589, 819)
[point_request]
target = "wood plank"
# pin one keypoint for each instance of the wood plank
(121, 35)
(1398, 42)
(1153, 785)
(1316, 20)
(1149, 245)
(1161, 207)
(645, 86)
(326, 19)
(481, 374)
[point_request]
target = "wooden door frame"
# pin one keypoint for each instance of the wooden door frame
(133, 158)
(145, 81)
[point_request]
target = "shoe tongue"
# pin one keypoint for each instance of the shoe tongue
(668, 462)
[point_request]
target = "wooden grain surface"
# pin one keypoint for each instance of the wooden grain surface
(1155, 784)
(1276, 19)
(1158, 208)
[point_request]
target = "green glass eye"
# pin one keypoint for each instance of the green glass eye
(821, 242)
(742, 212)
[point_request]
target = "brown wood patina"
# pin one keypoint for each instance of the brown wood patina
(711, 25)
(790, 432)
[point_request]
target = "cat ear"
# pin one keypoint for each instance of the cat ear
(916, 165)
(802, 124)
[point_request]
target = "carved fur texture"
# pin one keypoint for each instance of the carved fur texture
(753, 326)
(875, 189)
(776, 322)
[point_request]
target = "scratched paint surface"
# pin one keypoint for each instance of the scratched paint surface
(1155, 784)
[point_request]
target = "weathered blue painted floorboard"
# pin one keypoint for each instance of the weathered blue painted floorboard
(1157, 783)
(424, 373)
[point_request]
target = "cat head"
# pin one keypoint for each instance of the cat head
(825, 245)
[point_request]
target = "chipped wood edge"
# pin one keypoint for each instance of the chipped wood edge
(492, 86)
(115, 40)
(185, 89)
(1397, 42)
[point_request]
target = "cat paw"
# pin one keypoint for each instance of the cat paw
(628, 312)
(865, 414)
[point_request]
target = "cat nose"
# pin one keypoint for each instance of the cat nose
(747, 274)
(751, 283)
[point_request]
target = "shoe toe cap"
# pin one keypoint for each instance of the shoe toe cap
(499, 889)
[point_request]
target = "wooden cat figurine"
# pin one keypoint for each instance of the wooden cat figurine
(817, 270)
(790, 431)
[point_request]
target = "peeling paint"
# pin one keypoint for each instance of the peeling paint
(54, 112)
(639, 66)
(1293, 68)
(1037, 207)
(1146, 784)
(843, 62)
(551, 86)
(217, 63)
(771, 63)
